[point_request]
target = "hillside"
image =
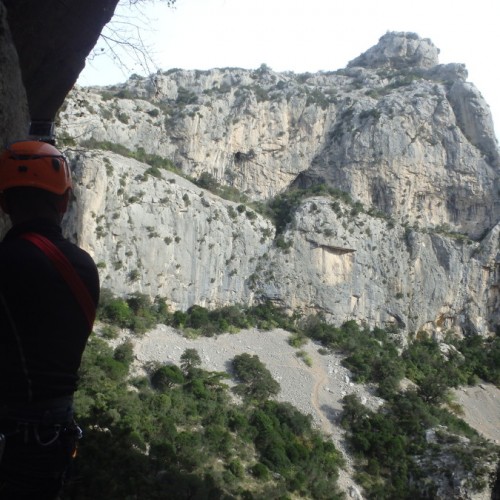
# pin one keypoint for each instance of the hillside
(367, 395)
(370, 193)
(233, 196)
(367, 194)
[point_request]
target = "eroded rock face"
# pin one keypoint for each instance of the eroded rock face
(416, 143)
(162, 235)
(52, 40)
(14, 118)
(406, 143)
(368, 269)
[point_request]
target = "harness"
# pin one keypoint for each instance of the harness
(43, 422)
(63, 265)
(31, 420)
(43, 435)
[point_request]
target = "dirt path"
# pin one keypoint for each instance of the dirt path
(322, 397)
(320, 380)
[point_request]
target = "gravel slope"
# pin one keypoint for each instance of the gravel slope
(317, 390)
(481, 406)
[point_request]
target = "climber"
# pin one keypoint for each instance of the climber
(49, 290)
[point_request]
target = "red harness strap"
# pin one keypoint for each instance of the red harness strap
(68, 272)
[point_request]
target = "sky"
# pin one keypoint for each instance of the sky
(296, 35)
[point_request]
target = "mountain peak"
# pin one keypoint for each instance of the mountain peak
(399, 50)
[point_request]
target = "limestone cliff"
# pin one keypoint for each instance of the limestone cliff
(407, 232)
(162, 235)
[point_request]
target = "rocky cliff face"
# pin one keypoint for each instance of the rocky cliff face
(52, 40)
(14, 115)
(406, 230)
(162, 235)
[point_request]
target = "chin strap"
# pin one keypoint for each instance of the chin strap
(68, 272)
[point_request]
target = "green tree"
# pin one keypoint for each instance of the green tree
(197, 317)
(166, 376)
(255, 380)
(124, 353)
(190, 359)
(114, 310)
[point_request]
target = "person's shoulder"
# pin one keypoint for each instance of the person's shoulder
(76, 251)
(13, 246)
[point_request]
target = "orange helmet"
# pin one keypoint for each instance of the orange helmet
(34, 164)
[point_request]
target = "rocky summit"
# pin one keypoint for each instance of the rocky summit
(369, 193)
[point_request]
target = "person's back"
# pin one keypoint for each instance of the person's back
(43, 325)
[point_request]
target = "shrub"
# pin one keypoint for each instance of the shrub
(185, 97)
(124, 353)
(304, 357)
(255, 380)
(165, 377)
(297, 340)
(260, 471)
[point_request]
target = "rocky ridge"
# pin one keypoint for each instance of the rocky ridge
(410, 235)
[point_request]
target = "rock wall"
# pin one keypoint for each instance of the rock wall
(162, 235)
(407, 235)
(367, 269)
(412, 140)
(52, 40)
(14, 117)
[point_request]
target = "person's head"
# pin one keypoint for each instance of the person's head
(35, 181)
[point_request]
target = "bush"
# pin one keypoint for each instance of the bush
(255, 380)
(260, 471)
(166, 376)
(136, 312)
(124, 353)
(482, 357)
(297, 340)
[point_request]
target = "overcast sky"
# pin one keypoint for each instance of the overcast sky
(302, 35)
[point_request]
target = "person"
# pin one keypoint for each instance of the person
(44, 322)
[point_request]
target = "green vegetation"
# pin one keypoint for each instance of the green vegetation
(207, 181)
(138, 313)
(304, 357)
(120, 94)
(445, 230)
(186, 97)
(481, 358)
(390, 445)
(398, 79)
(370, 113)
(281, 208)
(319, 98)
(175, 433)
(156, 162)
(371, 355)
(255, 380)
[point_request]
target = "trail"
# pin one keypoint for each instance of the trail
(320, 380)
(329, 427)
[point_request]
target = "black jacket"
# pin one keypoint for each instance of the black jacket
(43, 330)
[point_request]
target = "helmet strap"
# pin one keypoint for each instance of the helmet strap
(63, 202)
